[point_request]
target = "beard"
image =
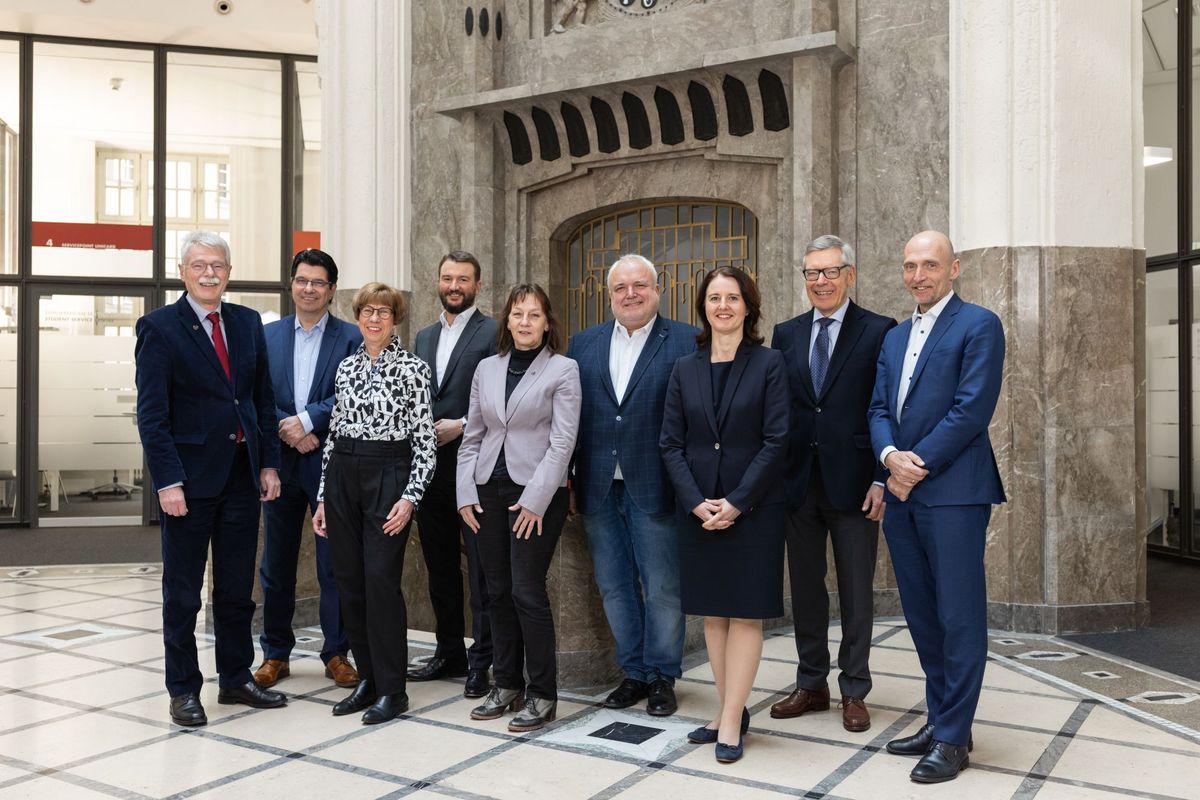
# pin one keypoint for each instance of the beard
(458, 306)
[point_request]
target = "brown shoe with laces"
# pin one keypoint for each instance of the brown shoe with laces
(342, 672)
(801, 701)
(855, 717)
(271, 672)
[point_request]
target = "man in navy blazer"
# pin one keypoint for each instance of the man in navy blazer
(936, 387)
(621, 486)
(835, 485)
(453, 346)
(206, 416)
(305, 349)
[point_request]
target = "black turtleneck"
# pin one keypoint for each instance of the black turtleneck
(518, 365)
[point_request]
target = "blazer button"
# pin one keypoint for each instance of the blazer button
(818, 409)
(614, 452)
(238, 402)
(716, 445)
(233, 437)
(618, 417)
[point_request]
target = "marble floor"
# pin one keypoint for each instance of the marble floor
(83, 713)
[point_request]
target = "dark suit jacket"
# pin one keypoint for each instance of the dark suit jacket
(742, 446)
(339, 340)
(452, 391)
(626, 431)
(948, 407)
(188, 412)
(832, 428)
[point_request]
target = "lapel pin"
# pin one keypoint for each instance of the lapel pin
(195, 327)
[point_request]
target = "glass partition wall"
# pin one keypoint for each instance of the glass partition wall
(110, 153)
(1171, 101)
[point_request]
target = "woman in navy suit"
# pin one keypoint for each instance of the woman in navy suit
(723, 441)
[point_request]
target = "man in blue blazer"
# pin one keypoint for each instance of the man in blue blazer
(936, 387)
(835, 484)
(305, 349)
(206, 416)
(621, 486)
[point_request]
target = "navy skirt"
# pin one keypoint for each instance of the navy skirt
(737, 572)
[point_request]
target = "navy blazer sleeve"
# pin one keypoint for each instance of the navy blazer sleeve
(153, 379)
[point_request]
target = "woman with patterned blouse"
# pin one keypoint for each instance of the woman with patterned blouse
(512, 477)
(378, 459)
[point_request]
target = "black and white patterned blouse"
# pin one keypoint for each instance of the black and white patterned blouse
(385, 400)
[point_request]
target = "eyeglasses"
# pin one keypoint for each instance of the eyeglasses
(366, 312)
(304, 283)
(830, 273)
(199, 267)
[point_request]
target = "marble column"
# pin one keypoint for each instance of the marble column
(1045, 208)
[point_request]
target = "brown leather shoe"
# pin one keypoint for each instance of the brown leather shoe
(271, 672)
(801, 701)
(855, 717)
(342, 672)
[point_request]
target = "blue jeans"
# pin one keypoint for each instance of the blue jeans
(636, 557)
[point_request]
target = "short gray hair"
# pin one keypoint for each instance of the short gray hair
(827, 242)
(631, 258)
(203, 239)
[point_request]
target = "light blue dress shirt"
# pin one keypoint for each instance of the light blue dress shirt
(304, 366)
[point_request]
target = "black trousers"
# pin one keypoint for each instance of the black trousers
(441, 530)
(363, 480)
(229, 522)
(515, 569)
(855, 545)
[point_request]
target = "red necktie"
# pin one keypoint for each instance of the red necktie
(218, 340)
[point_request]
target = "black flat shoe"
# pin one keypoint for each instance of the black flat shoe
(477, 684)
(253, 695)
(186, 710)
(660, 701)
(630, 692)
(942, 763)
(385, 708)
(436, 668)
(362, 697)
(729, 753)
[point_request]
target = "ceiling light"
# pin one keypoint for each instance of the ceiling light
(1155, 155)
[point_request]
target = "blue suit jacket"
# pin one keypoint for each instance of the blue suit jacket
(339, 340)
(830, 429)
(627, 431)
(188, 411)
(948, 406)
(737, 451)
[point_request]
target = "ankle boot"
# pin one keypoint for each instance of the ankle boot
(498, 701)
(536, 713)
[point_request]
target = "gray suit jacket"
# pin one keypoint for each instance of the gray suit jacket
(537, 428)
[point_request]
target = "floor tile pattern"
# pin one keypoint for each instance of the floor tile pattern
(83, 715)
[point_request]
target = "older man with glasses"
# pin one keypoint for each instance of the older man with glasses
(305, 349)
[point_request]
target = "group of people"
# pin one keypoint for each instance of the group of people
(696, 458)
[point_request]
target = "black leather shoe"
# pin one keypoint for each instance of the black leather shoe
(661, 699)
(918, 744)
(630, 692)
(253, 695)
(362, 697)
(942, 763)
(387, 707)
(477, 684)
(186, 710)
(435, 668)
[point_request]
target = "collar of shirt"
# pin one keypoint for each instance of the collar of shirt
(200, 310)
(838, 316)
(933, 313)
(459, 320)
(386, 354)
(320, 326)
(619, 331)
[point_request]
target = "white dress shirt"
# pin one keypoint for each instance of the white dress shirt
(447, 338)
(623, 353)
(838, 316)
(922, 324)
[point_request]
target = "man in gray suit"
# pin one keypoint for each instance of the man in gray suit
(453, 346)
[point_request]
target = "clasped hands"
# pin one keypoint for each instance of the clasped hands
(716, 515)
(291, 433)
(907, 470)
(527, 524)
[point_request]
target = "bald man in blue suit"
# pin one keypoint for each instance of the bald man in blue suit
(936, 387)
